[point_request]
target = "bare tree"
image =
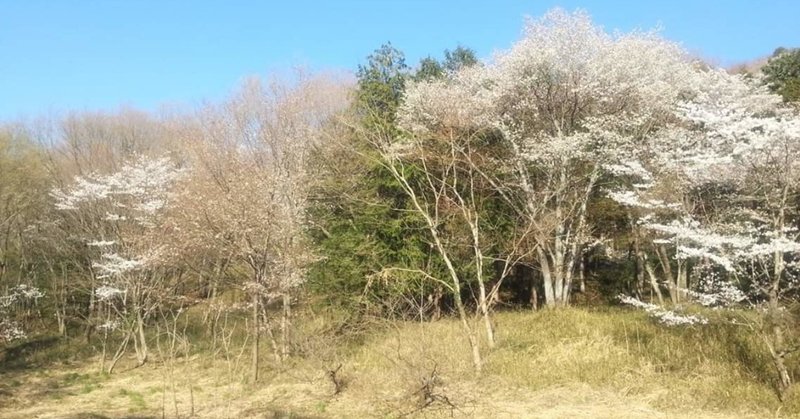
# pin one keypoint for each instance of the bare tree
(246, 198)
(441, 175)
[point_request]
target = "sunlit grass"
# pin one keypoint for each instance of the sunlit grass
(575, 362)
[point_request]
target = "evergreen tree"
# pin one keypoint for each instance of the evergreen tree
(381, 82)
(459, 58)
(361, 225)
(782, 73)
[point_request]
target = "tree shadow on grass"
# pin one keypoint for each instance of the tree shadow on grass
(19, 356)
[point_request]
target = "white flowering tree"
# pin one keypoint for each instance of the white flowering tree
(753, 145)
(566, 102)
(709, 162)
(122, 212)
(15, 299)
(730, 164)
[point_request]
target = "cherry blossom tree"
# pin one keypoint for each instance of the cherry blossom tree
(565, 102)
(13, 300)
(754, 146)
(573, 106)
(735, 137)
(124, 209)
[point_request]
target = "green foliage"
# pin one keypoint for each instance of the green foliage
(429, 69)
(782, 73)
(361, 211)
(370, 238)
(365, 232)
(380, 84)
(135, 399)
(459, 58)
(791, 90)
(43, 351)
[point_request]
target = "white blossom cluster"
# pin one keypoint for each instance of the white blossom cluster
(667, 129)
(630, 168)
(109, 325)
(101, 243)
(114, 217)
(144, 185)
(711, 288)
(635, 200)
(738, 136)
(112, 264)
(108, 292)
(734, 125)
(726, 295)
(695, 241)
(10, 331)
(130, 199)
(463, 100)
(20, 292)
(740, 244)
(663, 316)
(773, 245)
(620, 83)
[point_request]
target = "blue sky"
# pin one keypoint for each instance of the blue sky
(92, 55)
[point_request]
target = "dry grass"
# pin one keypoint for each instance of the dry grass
(566, 363)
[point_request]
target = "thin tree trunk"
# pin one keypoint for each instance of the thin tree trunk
(105, 344)
(557, 272)
(778, 352)
(682, 279)
(477, 362)
(119, 353)
(142, 351)
(92, 305)
(285, 323)
(256, 333)
(639, 277)
(456, 282)
(778, 348)
(651, 273)
(547, 279)
(273, 341)
(672, 282)
(437, 303)
(487, 321)
(473, 341)
(483, 304)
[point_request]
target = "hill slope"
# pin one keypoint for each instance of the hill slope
(565, 363)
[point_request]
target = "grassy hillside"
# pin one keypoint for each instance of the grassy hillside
(565, 363)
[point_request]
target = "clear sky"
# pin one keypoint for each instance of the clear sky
(90, 55)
